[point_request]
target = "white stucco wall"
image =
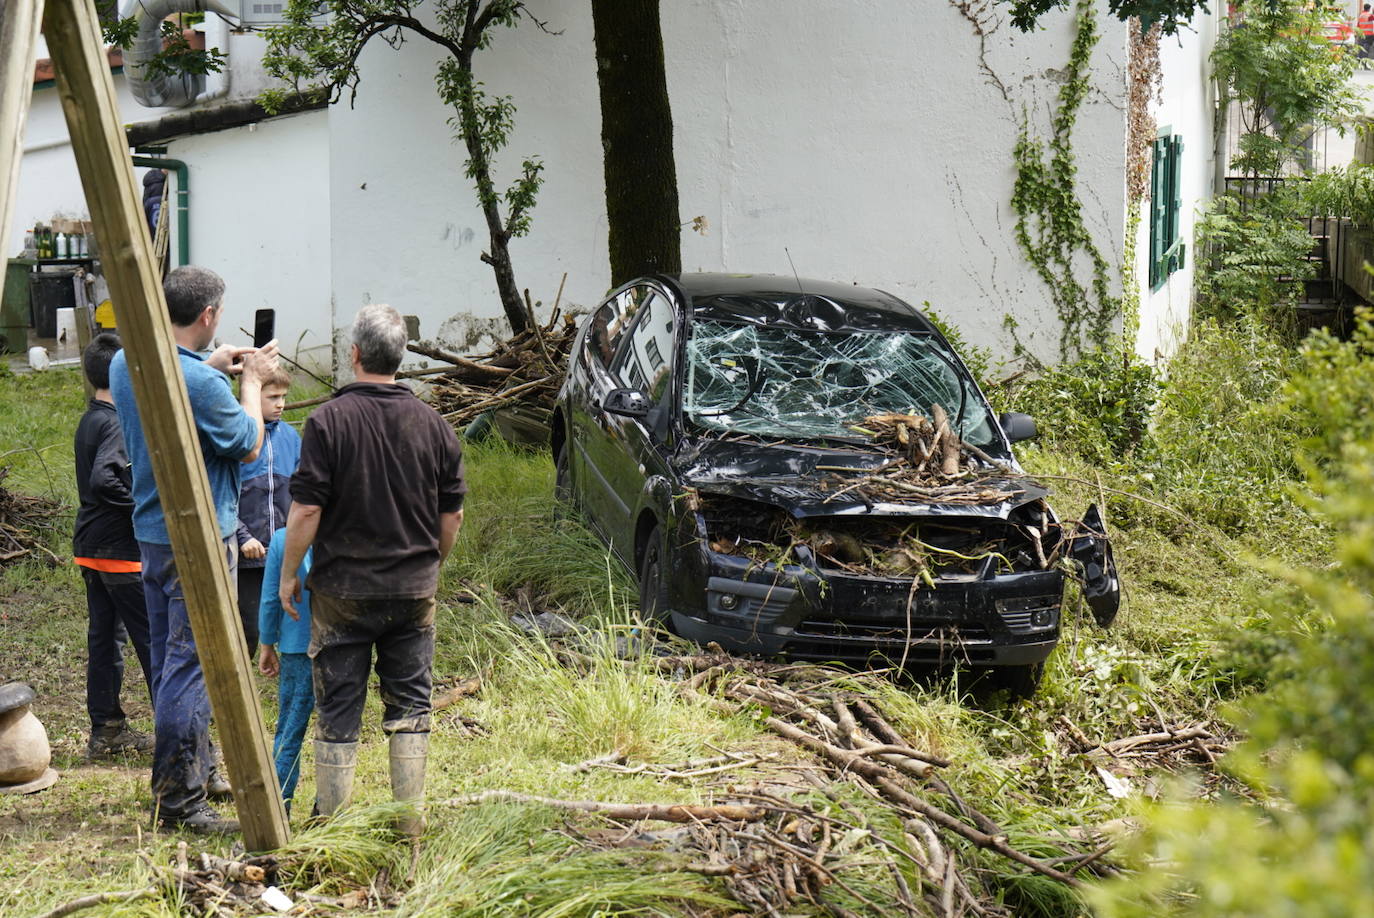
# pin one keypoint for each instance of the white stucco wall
(259, 203)
(49, 184)
(1186, 108)
(875, 147)
(259, 207)
(869, 145)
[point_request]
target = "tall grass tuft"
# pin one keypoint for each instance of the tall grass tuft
(513, 537)
(508, 860)
(345, 852)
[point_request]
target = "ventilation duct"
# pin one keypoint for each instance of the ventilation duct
(161, 90)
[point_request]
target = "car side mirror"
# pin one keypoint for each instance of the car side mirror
(629, 403)
(1018, 426)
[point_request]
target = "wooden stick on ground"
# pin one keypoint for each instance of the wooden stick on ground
(667, 812)
(105, 898)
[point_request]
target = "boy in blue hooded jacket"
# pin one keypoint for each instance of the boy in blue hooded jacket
(264, 498)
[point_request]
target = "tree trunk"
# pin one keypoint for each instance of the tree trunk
(499, 257)
(637, 140)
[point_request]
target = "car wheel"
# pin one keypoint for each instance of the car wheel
(653, 589)
(562, 482)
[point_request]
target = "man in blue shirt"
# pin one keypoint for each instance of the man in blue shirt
(230, 431)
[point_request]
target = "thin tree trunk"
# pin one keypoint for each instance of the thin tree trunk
(499, 256)
(637, 140)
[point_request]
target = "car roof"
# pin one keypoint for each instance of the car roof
(792, 302)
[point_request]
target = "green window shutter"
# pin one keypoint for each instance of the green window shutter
(1175, 258)
(1175, 187)
(1158, 211)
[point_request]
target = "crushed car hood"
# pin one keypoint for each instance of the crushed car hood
(802, 480)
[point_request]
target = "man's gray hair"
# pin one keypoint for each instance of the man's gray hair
(380, 334)
(189, 290)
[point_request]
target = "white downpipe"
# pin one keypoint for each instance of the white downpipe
(216, 36)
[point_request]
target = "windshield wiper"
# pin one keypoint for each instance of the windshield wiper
(757, 376)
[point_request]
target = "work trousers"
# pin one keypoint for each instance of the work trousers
(295, 701)
(181, 705)
(250, 598)
(343, 633)
(116, 613)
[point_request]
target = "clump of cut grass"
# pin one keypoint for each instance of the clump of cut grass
(511, 860)
(346, 852)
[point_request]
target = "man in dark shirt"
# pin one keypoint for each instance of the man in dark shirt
(379, 493)
(104, 547)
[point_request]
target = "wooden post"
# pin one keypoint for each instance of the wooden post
(88, 99)
(19, 21)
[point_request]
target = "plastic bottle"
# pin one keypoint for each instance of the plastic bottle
(62, 251)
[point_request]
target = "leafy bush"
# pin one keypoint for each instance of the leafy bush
(1098, 406)
(1223, 446)
(1311, 747)
(1251, 259)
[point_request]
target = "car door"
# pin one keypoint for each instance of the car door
(644, 362)
(591, 449)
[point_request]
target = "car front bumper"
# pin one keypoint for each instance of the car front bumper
(1009, 619)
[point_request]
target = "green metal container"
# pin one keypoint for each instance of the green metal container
(15, 308)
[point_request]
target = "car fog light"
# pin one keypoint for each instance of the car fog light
(1042, 618)
(729, 602)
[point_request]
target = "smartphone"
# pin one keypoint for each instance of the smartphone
(264, 326)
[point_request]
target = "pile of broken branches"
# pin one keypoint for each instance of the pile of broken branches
(851, 736)
(525, 370)
(775, 850)
(930, 463)
(24, 522)
(211, 886)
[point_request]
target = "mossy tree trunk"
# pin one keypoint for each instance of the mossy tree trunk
(637, 139)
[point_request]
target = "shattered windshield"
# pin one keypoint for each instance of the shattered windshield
(786, 383)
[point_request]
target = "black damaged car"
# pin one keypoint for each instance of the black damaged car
(712, 431)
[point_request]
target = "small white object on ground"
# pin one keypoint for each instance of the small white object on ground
(277, 900)
(38, 358)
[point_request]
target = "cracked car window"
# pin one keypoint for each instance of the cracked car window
(786, 383)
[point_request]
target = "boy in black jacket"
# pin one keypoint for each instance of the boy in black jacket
(104, 547)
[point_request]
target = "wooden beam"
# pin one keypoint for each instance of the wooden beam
(19, 20)
(88, 99)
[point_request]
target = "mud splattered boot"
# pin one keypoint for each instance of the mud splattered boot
(334, 766)
(408, 752)
(115, 739)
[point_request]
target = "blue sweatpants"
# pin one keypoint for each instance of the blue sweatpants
(295, 702)
(181, 705)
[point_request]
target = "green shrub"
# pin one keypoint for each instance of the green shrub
(1097, 407)
(1223, 446)
(1251, 259)
(1310, 753)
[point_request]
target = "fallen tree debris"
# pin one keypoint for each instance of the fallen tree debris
(666, 812)
(929, 463)
(24, 523)
(462, 689)
(213, 886)
(525, 370)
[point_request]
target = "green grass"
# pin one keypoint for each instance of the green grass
(1174, 653)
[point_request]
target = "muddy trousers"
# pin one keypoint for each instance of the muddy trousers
(343, 633)
(181, 705)
(116, 614)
